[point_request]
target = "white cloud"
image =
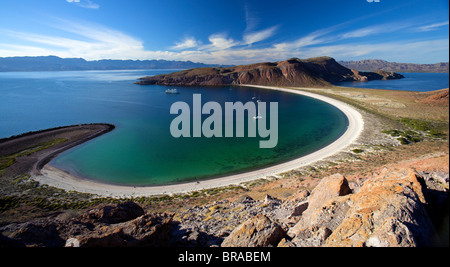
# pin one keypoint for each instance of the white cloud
(432, 27)
(187, 43)
(84, 3)
(429, 51)
(258, 36)
(220, 42)
(377, 29)
(89, 41)
(92, 42)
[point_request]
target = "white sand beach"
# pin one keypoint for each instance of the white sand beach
(60, 179)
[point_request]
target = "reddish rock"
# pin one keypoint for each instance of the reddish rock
(389, 210)
(148, 230)
(258, 231)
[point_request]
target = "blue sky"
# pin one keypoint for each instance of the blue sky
(227, 31)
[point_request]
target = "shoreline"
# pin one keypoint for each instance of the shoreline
(60, 179)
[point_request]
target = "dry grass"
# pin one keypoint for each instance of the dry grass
(390, 103)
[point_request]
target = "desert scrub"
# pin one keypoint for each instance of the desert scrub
(8, 160)
(432, 129)
(358, 151)
(5, 162)
(21, 179)
(8, 202)
(405, 137)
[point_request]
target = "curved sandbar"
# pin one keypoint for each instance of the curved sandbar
(58, 178)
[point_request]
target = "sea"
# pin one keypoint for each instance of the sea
(419, 82)
(141, 150)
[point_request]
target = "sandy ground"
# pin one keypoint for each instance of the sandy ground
(60, 179)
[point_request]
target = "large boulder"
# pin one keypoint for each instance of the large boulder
(387, 211)
(111, 214)
(148, 230)
(258, 231)
(328, 189)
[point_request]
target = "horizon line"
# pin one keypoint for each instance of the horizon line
(198, 62)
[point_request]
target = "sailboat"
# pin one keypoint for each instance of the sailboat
(172, 91)
(259, 117)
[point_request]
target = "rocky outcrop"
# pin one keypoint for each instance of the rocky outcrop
(436, 98)
(292, 72)
(395, 207)
(113, 214)
(148, 230)
(121, 225)
(327, 190)
(389, 210)
(259, 231)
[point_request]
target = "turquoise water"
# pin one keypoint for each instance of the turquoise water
(419, 82)
(141, 150)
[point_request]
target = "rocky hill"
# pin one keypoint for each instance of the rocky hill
(439, 97)
(376, 64)
(318, 71)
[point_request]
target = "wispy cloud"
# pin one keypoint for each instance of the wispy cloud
(84, 3)
(90, 41)
(432, 27)
(251, 20)
(258, 36)
(220, 41)
(187, 43)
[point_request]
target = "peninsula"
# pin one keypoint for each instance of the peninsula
(313, 72)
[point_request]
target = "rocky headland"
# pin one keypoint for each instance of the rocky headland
(320, 71)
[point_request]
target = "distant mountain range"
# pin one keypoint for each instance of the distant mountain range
(53, 63)
(376, 64)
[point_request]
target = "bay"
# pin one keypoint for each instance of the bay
(141, 150)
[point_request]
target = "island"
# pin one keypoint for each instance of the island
(315, 72)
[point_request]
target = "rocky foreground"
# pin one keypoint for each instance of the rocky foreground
(320, 71)
(395, 207)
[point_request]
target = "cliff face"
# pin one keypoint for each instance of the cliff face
(292, 72)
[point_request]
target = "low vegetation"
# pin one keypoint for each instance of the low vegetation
(8, 160)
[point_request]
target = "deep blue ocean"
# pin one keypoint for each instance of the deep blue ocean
(420, 82)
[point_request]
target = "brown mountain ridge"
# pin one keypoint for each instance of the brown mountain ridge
(377, 64)
(319, 71)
